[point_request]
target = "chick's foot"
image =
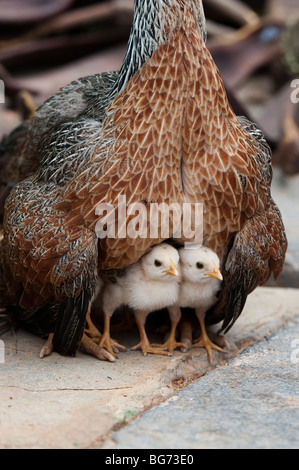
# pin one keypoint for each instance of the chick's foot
(111, 345)
(205, 342)
(171, 344)
(146, 348)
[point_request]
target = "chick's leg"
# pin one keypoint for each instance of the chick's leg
(106, 340)
(204, 341)
(171, 343)
(91, 329)
(144, 343)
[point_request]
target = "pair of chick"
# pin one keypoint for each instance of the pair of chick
(165, 278)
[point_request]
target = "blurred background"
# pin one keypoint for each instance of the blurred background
(46, 44)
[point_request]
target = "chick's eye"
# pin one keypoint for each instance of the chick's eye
(199, 265)
(158, 263)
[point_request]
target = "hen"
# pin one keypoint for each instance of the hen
(168, 136)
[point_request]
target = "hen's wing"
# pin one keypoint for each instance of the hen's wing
(46, 263)
(257, 250)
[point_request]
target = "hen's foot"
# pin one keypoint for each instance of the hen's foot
(186, 335)
(90, 347)
(47, 348)
(219, 340)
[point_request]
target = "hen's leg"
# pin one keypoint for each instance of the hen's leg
(87, 344)
(90, 339)
(186, 334)
(219, 340)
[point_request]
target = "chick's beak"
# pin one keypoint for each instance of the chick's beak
(172, 270)
(216, 274)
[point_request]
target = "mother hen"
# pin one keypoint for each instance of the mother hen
(168, 136)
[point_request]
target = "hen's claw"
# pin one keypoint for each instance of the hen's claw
(47, 348)
(219, 340)
(90, 347)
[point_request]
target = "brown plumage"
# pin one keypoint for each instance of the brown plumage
(169, 135)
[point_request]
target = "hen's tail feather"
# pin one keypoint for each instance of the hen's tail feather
(70, 324)
(237, 303)
(257, 251)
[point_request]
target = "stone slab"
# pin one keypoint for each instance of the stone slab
(251, 403)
